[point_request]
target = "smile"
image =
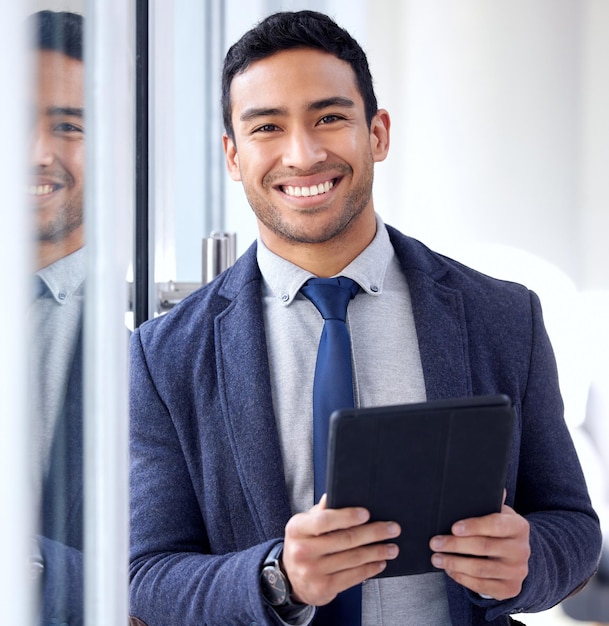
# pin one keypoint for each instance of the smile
(41, 190)
(313, 190)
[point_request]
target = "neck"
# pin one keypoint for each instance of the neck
(329, 257)
(51, 251)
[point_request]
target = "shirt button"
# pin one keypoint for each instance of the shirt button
(374, 288)
(285, 297)
(62, 295)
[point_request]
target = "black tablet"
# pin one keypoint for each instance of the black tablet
(424, 465)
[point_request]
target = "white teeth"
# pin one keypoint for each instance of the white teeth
(40, 190)
(313, 190)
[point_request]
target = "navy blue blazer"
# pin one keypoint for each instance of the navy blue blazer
(61, 540)
(207, 483)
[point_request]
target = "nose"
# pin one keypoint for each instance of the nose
(41, 148)
(303, 149)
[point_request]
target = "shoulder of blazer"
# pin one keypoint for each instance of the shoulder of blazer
(417, 261)
(240, 280)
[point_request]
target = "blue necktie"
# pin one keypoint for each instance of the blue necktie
(332, 389)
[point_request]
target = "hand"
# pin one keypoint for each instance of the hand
(326, 551)
(498, 552)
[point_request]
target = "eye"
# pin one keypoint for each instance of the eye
(266, 128)
(67, 128)
(329, 119)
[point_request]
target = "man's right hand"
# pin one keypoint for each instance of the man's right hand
(326, 551)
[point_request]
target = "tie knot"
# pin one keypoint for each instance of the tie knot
(331, 295)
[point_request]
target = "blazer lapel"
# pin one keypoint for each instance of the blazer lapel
(63, 488)
(440, 322)
(250, 421)
(442, 335)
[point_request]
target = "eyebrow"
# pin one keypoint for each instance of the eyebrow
(318, 105)
(336, 101)
(253, 112)
(67, 111)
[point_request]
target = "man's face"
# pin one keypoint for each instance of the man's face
(303, 149)
(58, 149)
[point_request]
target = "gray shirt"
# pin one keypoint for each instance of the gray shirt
(55, 320)
(386, 369)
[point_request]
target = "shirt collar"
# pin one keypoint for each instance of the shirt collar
(284, 279)
(64, 278)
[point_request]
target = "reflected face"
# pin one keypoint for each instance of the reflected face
(58, 151)
(303, 149)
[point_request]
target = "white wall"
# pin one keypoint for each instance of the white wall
(75, 6)
(498, 136)
(593, 198)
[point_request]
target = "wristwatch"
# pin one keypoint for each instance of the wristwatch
(275, 585)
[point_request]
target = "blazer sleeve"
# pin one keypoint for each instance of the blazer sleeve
(550, 491)
(174, 577)
(63, 584)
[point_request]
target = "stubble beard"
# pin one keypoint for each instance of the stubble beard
(69, 216)
(65, 222)
(354, 204)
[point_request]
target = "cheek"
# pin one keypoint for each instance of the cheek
(71, 156)
(351, 148)
(254, 163)
(75, 163)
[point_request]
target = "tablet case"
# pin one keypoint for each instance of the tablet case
(423, 465)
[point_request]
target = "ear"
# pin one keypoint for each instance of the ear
(231, 156)
(379, 135)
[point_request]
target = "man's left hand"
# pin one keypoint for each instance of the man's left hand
(489, 555)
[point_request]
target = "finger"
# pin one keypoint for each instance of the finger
(469, 546)
(355, 537)
(489, 588)
(359, 557)
(485, 576)
(320, 506)
(320, 590)
(346, 579)
(358, 546)
(320, 521)
(507, 523)
(510, 549)
(317, 582)
(343, 549)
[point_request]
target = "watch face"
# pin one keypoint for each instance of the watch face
(274, 585)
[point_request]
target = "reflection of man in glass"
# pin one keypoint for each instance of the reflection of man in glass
(55, 194)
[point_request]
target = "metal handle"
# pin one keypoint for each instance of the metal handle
(219, 253)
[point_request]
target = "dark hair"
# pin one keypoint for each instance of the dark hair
(289, 30)
(59, 31)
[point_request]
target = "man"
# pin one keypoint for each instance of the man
(56, 197)
(222, 388)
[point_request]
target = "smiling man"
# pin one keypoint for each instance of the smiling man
(229, 525)
(56, 189)
(306, 165)
(55, 194)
